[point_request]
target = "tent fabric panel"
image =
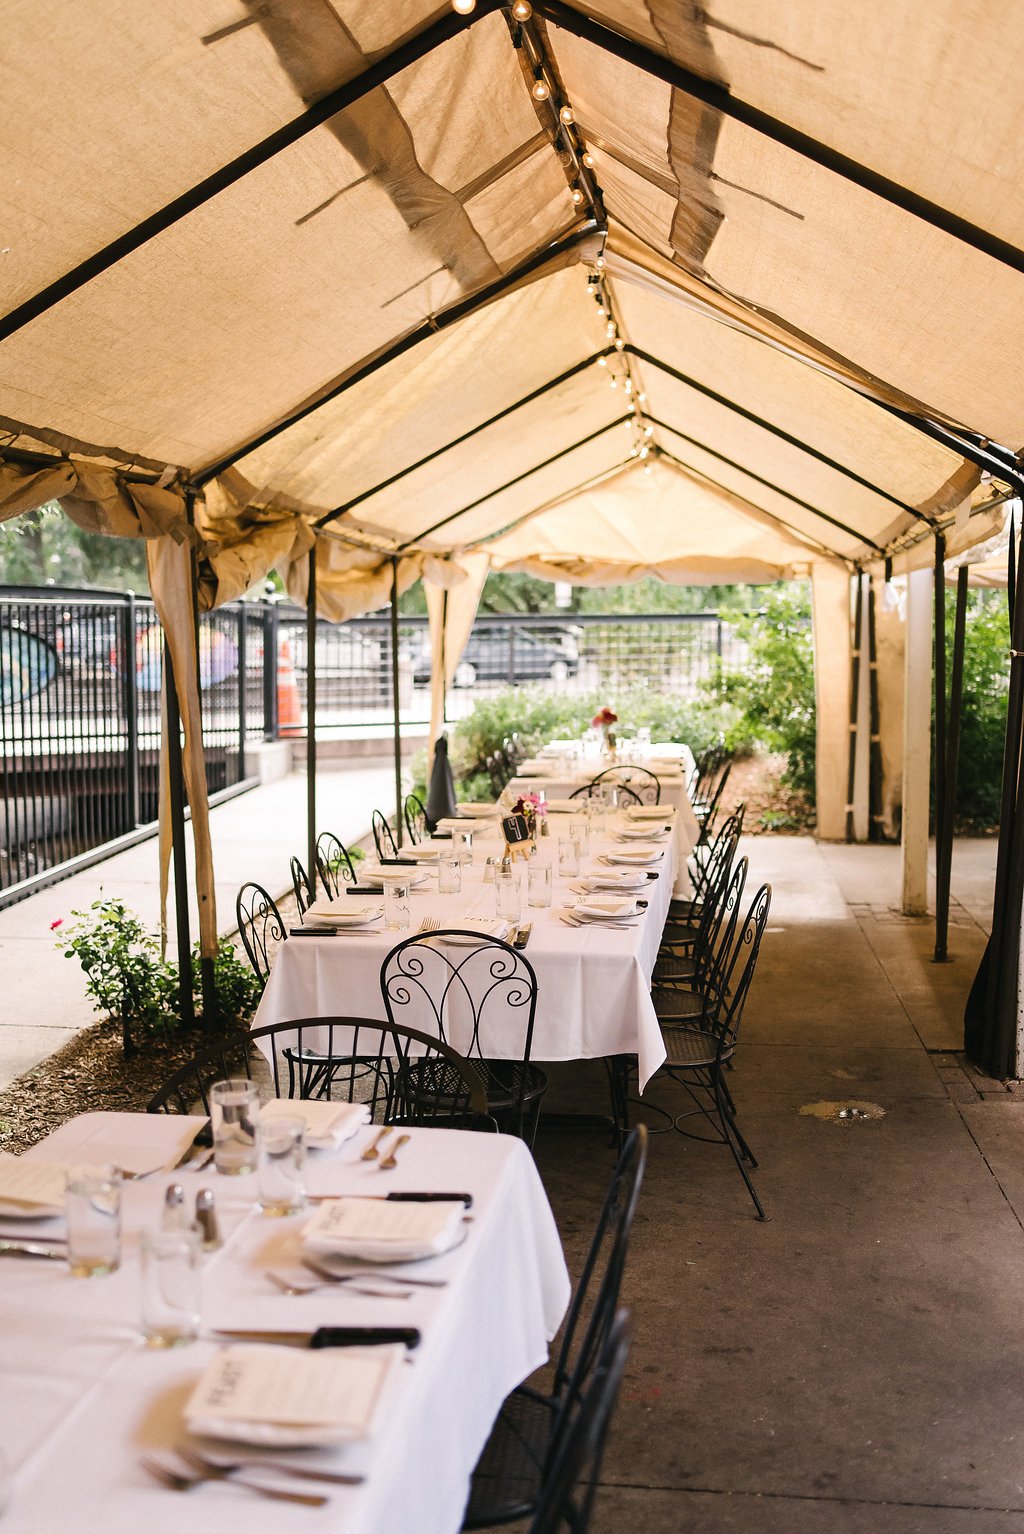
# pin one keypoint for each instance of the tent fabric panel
(260, 299)
(901, 299)
(416, 404)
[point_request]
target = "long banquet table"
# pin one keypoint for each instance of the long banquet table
(83, 1397)
(593, 999)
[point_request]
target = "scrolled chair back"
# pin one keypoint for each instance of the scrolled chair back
(260, 927)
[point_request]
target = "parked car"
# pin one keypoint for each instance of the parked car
(502, 655)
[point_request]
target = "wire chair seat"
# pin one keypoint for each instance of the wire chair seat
(695, 1047)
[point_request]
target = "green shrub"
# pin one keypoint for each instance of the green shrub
(774, 694)
(983, 720)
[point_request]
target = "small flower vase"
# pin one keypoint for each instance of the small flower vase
(609, 742)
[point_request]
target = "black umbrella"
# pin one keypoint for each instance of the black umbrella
(441, 794)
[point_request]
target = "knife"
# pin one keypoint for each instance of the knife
(200, 1141)
(33, 1249)
(522, 936)
(399, 863)
(312, 932)
(327, 1336)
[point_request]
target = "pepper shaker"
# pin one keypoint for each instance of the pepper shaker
(206, 1219)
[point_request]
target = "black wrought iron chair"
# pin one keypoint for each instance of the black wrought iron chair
(260, 926)
(524, 1445)
(344, 1059)
(305, 893)
(703, 864)
(601, 791)
(333, 864)
(707, 815)
(698, 1048)
(570, 1485)
(482, 994)
(415, 816)
(690, 956)
(641, 781)
(383, 836)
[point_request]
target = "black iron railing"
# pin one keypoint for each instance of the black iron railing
(80, 698)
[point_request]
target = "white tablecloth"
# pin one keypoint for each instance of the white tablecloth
(593, 997)
(82, 1397)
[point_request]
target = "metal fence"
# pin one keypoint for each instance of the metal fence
(80, 698)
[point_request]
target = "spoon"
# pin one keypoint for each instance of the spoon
(180, 1475)
(371, 1152)
(390, 1160)
(280, 1466)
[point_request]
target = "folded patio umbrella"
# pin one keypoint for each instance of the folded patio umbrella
(441, 794)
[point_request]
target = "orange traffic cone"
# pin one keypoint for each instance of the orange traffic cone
(289, 714)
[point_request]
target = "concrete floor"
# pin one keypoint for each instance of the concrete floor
(855, 1364)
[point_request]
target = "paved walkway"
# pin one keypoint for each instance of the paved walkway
(854, 1365)
(254, 836)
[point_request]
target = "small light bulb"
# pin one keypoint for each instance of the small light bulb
(644, 451)
(648, 431)
(614, 382)
(609, 330)
(540, 85)
(620, 344)
(602, 362)
(577, 196)
(628, 386)
(602, 311)
(599, 263)
(464, 7)
(642, 398)
(647, 468)
(588, 160)
(522, 10)
(567, 115)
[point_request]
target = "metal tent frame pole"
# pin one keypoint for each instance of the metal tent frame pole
(395, 708)
(176, 809)
(851, 769)
(311, 717)
(944, 841)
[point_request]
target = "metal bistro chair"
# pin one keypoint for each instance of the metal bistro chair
(602, 791)
(383, 836)
(510, 1480)
(415, 816)
(333, 864)
(479, 989)
(708, 814)
(260, 927)
(570, 1486)
(688, 956)
(305, 894)
(365, 1061)
(684, 916)
(697, 1049)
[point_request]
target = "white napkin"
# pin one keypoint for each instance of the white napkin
(606, 907)
(566, 806)
(626, 880)
(425, 852)
(353, 913)
(467, 810)
(650, 811)
(287, 1397)
(376, 1230)
(328, 1124)
(381, 876)
(631, 855)
(31, 1188)
(486, 926)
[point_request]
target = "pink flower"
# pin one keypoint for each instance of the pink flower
(604, 716)
(55, 924)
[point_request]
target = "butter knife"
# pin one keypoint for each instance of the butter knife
(522, 937)
(326, 1336)
(200, 1141)
(33, 1249)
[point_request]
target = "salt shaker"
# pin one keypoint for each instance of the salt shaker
(175, 1215)
(206, 1219)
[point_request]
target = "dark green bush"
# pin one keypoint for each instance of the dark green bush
(983, 725)
(773, 696)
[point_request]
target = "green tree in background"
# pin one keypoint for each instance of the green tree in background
(45, 547)
(774, 693)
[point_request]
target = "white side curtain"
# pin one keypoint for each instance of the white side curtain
(830, 594)
(453, 595)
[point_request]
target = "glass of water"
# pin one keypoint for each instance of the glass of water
(171, 1286)
(579, 830)
(508, 895)
(538, 884)
(462, 846)
(93, 1207)
(282, 1158)
(449, 874)
(234, 1110)
(396, 905)
(569, 857)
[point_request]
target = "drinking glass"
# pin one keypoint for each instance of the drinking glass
(569, 857)
(508, 895)
(579, 830)
(462, 846)
(538, 884)
(449, 874)
(281, 1143)
(396, 905)
(93, 1206)
(234, 1110)
(171, 1286)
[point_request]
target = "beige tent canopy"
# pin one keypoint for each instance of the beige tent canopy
(370, 289)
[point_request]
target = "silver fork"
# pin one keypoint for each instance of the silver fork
(430, 924)
(334, 1277)
(183, 1477)
(224, 1463)
(307, 1286)
(614, 926)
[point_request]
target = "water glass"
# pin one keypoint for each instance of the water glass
(462, 846)
(508, 895)
(281, 1143)
(449, 874)
(538, 884)
(234, 1110)
(93, 1206)
(579, 830)
(396, 905)
(569, 857)
(171, 1286)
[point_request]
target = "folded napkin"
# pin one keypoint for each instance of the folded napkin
(606, 907)
(352, 913)
(382, 1230)
(638, 833)
(631, 855)
(467, 810)
(566, 806)
(287, 1398)
(626, 880)
(328, 1124)
(486, 926)
(31, 1188)
(422, 853)
(650, 811)
(532, 769)
(381, 876)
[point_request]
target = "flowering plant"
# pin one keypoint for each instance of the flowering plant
(603, 718)
(530, 805)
